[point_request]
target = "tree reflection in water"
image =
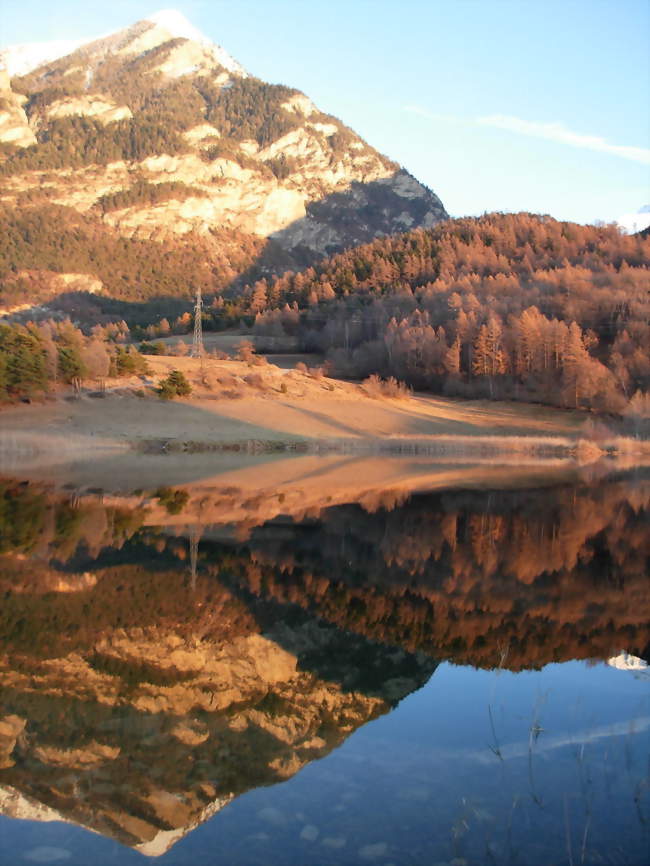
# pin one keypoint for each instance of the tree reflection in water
(150, 674)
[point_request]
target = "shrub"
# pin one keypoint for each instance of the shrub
(173, 500)
(128, 362)
(175, 385)
(157, 348)
(254, 380)
(282, 166)
(245, 351)
(375, 386)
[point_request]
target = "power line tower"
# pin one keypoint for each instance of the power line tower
(197, 344)
(195, 536)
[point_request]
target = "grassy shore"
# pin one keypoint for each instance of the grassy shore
(258, 408)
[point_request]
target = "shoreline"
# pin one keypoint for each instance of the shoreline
(456, 447)
(239, 410)
(244, 491)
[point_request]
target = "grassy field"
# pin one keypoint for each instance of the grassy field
(239, 408)
(232, 400)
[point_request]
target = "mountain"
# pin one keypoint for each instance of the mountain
(119, 743)
(155, 135)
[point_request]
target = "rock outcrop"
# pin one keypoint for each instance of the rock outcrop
(14, 125)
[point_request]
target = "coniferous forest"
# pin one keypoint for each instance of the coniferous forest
(506, 306)
(503, 306)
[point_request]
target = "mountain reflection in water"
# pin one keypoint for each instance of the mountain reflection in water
(152, 671)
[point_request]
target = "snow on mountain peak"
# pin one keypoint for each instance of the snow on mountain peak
(177, 24)
(21, 59)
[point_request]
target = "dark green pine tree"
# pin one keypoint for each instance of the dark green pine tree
(24, 363)
(71, 366)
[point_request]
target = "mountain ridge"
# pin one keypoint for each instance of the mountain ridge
(22, 58)
(184, 143)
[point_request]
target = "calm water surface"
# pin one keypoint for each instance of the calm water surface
(457, 678)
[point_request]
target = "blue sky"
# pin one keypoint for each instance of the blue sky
(539, 105)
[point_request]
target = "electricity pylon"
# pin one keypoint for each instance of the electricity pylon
(197, 344)
(195, 536)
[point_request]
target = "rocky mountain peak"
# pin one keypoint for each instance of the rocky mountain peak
(145, 35)
(154, 132)
(177, 26)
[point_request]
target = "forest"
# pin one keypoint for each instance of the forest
(143, 192)
(162, 110)
(73, 142)
(503, 306)
(52, 238)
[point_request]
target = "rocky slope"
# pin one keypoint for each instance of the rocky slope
(154, 135)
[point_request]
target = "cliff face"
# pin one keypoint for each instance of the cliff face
(160, 136)
(14, 125)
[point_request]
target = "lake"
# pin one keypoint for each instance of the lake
(457, 676)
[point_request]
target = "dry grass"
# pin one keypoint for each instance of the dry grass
(234, 402)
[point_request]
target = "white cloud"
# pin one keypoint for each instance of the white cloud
(558, 132)
(549, 131)
(545, 743)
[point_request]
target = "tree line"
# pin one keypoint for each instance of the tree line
(506, 305)
(34, 358)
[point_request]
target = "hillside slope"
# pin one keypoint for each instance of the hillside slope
(504, 305)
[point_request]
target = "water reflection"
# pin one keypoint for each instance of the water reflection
(154, 667)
